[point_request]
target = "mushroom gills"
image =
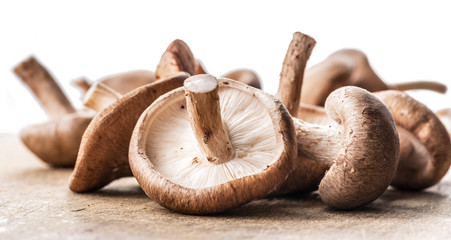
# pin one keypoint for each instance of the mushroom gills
(183, 163)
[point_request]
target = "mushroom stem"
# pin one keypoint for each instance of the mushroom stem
(100, 96)
(82, 84)
(293, 68)
(202, 103)
(428, 85)
(318, 142)
(44, 87)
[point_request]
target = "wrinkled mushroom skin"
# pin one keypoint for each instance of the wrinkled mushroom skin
(103, 155)
(350, 67)
(367, 160)
(425, 157)
(223, 196)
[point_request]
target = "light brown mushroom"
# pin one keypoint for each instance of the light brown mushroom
(100, 96)
(199, 68)
(57, 141)
(103, 155)
(245, 76)
(358, 144)
(424, 149)
(121, 83)
(425, 155)
(350, 67)
(212, 146)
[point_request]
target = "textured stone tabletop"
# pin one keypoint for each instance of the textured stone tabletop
(36, 203)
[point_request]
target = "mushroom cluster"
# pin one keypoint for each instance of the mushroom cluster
(200, 144)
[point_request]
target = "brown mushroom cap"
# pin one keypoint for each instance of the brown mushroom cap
(356, 137)
(177, 58)
(245, 76)
(425, 153)
(367, 158)
(199, 68)
(166, 160)
(103, 155)
(350, 67)
(128, 81)
(57, 141)
(445, 117)
(121, 82)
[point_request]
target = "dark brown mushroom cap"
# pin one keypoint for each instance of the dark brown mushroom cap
(245, 76)
(426, 159)
(367, 161)
(103, 155)
(225, 195)
(57, 141)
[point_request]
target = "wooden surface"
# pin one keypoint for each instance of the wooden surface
(36, 203)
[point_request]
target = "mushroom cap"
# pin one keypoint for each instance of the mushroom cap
(177, 58)
(245, 76)
(57, 141)
(103, 155)
(445, 117)
(427, 158)
(199, 67)
(346, 67)
(166, 160)
(127, 81)
(367, 161)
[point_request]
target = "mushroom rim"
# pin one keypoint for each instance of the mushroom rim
(90, 141)
(205, 200)
(438, 152)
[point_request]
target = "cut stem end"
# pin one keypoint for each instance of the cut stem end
(202, 101)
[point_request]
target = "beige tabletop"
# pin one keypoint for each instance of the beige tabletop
(36, 203)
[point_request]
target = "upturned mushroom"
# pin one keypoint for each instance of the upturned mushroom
(103, 155)
(213, 145)
(425, 154)
(121, 83)
(358, 144)
(57, 141)
(350, 67)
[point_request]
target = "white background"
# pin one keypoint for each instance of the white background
(404, 40)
